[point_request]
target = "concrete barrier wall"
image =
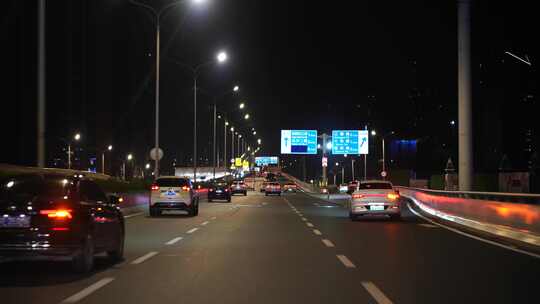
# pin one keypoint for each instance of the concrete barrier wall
(487, 214)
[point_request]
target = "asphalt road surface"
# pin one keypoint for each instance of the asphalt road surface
(288, 249)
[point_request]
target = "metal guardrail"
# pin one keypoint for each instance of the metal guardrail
(531, 199)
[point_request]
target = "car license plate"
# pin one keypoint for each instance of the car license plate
(376, 207)
(218, 191)
(15, 222)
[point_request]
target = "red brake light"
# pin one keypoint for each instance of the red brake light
(57, 214)
(60, 229)
(186, 188)
(357, 195)
(155, 187)
(211, 189)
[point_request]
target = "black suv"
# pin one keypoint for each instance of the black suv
(52, 215)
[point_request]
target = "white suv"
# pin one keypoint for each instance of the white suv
(173, 193)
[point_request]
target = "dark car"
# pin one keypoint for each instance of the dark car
(219, 190)
(59, 216)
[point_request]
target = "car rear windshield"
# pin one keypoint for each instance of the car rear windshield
(375, 186)
(172, 182)
(220, 185)
(240, 183)
(27, 189)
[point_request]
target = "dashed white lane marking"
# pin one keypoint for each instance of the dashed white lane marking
(309, 224)
(88, 290)
(328, 243)
(133, 215)
(345, 260)
(316, 204)
(173, 241)
(317, 232)
(428, 225)
(192, 230)
(213, 218)
(204, 223)
(304, 219)
(144, 257)
(376, 293)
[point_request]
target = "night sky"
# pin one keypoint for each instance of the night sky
(320, 65)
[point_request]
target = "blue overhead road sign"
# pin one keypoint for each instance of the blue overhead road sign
(299, 141)
(350, 142)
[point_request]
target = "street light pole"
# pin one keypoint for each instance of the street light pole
(214, 141)
(157, 15)
(69, 155)
(232, 143)
(465, 100)
(195, 128)
(352, 168)
(225, 162)
(383, 159)
(41, 83)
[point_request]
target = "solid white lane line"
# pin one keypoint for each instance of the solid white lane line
(343, 259)
(376, 293)
(144, 257)
(328, 243)
(472, 236)
(175, 240)
(204, 223)
(133, 215)
(192, 230)
(317, 232)
(428, 225)
(309, 224)
(88, 290)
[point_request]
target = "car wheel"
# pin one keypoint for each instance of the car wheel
(266, 194)
(209, 200)
(352, 217)
(396, 217)
(83, 261)
(117, 254)
(245, 193)
(229, 200)
(196, 210)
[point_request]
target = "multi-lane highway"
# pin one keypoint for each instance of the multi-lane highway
(288, 249)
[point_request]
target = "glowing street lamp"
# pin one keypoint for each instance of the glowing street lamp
(246, 117)
(242, 105)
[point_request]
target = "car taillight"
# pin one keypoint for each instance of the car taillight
(393, 196)
(186, 188)
(60, 214)
(211, 190)
(226, 190)
(357, 195)
(155, 187)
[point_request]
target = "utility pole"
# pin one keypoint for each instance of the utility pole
(465, 168)
(41, 83)
(343, 174)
